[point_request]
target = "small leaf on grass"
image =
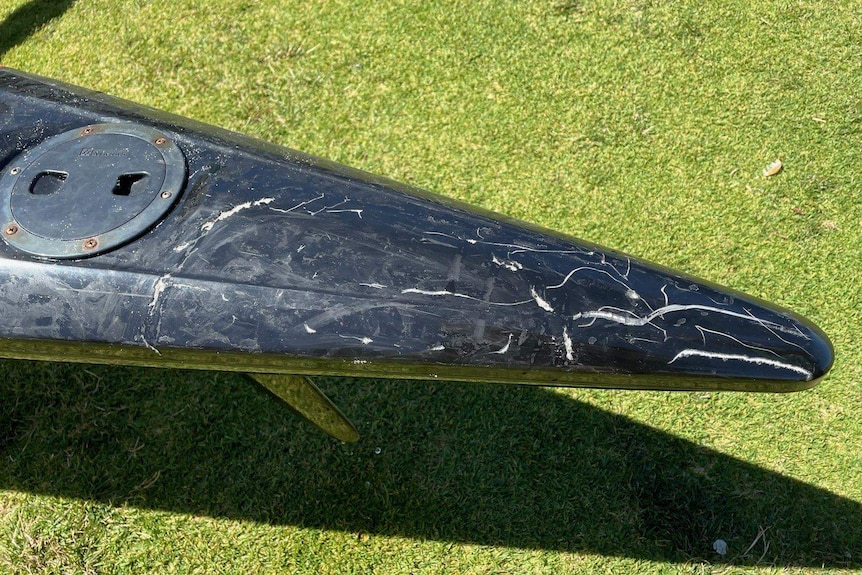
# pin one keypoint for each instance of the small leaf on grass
(772, 168)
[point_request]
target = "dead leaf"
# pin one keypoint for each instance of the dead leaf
(772, 168)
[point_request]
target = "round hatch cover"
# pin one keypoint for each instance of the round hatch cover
(89, 190)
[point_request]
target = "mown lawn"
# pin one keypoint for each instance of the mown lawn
(638, 125)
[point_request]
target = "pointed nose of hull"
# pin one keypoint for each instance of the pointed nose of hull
(636, 318)
(557, 310)
(774, 350)
(580, 314)
(821, 353)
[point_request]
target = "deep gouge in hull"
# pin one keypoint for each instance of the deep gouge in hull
(136, 237)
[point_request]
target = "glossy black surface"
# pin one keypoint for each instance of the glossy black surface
(274, 261)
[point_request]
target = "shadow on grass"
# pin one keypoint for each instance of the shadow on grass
(493, 465)
(27, 19)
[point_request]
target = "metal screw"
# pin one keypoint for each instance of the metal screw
(88, 130)
(166, 195)
(160, 141)
(14, 171)
(90, 243)
(11, 230)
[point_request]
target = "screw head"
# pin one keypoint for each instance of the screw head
(91, 243)
(165, 195)
(160, 141)
(87, 131)
(11, 230)
(15, 171)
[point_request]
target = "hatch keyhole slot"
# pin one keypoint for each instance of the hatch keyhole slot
(128, 184)
(48, 182)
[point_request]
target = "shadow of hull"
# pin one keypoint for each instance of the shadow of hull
(485, 464)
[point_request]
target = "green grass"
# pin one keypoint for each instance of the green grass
(638, 125)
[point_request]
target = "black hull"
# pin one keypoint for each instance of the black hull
(271, 261)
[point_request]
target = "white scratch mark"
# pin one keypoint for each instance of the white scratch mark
(233, 211)
(312, 200)
(158, 288)
(567, 341)
(634, 339)
(636, 320)
(541, 302)
(518, 248)
(373, 285)
(325, 208)
(728, 336)
(358, 212)
(300, 248)
(183, 246)
(574, 271)
(365, 340)
(438, 348)
(601, 313)
(297, 206)
(748, 359)
(150, 347)
(510, 265)
(309, 329)
(760, 321)
(444, 235)
(105, 292)
(730, 297)
(187, 286)
(505, 348)
(461, 295)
